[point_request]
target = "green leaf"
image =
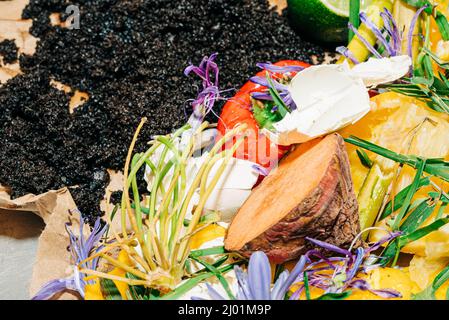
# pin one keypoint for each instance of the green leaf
(428, 68)
(306, 285)
(441, 103)
(392, 250)
(417, 217)
(265, 116)
(441, 211)
(441, 278)
(440, 86)
(219, 276)
(435, 167)
(420, 4)
(335, 296)
(283, 109)
(354, 19)
(443, 25)
(422, 80)
(422, 232)
(426, 294)
(411, 192)
(209, 217)
(399, 199)
(207, 252)
(441, 63)
(364, 159)
(427, 88)
(193, 282)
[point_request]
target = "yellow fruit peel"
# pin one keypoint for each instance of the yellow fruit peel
(93, 291)
(404, 125)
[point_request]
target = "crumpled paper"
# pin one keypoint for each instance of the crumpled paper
(52, 258)
(54, 207)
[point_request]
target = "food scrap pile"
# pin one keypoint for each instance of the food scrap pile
(128, 56)
(336, 175)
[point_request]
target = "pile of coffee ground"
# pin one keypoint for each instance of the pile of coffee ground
(9, 51)
(129, 56)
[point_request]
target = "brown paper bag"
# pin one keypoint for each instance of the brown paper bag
(52, 258)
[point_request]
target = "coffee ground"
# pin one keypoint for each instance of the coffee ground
(129, 56)
(9, 51)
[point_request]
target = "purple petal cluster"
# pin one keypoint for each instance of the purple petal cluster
(255, 284)
(80, 248)
(208, 71)
(279, 87)
(412, 28)
(390, 37)
(341, 272)
(278, 69)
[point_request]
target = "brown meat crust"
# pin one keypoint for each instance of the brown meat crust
(329, 213)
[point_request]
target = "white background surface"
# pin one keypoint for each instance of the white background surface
(18, 245)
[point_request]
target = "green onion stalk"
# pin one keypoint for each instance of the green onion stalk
(153, 230)
(372, 195)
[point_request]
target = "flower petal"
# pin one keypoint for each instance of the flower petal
(213, 293)
(279, 69)
(276, 293)
(259, 276)
(242, 279)
(53, 287)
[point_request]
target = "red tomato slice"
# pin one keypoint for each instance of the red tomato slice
(256, 147)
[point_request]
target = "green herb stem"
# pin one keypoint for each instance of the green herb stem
(354, 19)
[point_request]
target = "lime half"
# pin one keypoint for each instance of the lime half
(321, 20)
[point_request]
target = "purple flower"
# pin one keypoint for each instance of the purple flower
(389, 37)
(412, 29)
(80, 249)
(255, 284)
(393, 32)
(279, 69)
(344, 51)
(260, 169)
(265, 95)
(203, 104)
(344, 270)
(383, 293)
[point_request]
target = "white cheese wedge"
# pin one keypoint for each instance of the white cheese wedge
(328, 97)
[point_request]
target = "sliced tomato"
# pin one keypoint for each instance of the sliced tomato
(256, 147)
